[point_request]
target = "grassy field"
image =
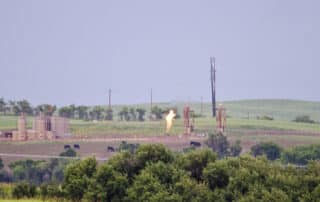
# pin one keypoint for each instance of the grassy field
(79, 127)
(10, 122)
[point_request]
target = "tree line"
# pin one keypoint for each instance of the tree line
(82, 112)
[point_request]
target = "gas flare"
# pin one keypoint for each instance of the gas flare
(169, 119)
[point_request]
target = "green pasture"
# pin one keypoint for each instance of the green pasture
(79, 127)
(10, 122)
(201, 125)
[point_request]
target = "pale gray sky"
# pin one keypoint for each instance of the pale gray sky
(65, 52)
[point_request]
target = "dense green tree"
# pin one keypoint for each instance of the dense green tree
(11, 104)
(144, 187)
(23, 106)
(69, 153)
(109, 114)
(195, 161)
(107, 185)
(82, 112)
(165, 173)
(126, 163)
(216, 175)
(97, 113)
(165, 196)
(271, 150)
(218, 143)
(154, 182)
(77, 178)
(1, 164)
(67, 111)
(190, 190)
(46, 109)
(235, 149)
(24, 190)
(132, 114)
(157, 112)
(260, 193)
(301, 154)
(51, 191)
(141, 112)
(153, 153)
(124, 114)
(3, 106)
(35, 172)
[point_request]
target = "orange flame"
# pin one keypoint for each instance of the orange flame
(169, 119)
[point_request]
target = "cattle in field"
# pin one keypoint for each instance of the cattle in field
(76, 146)
(195, 144)
(110, 149)
(66, 146)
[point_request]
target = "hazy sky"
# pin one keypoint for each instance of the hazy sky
(65, 52)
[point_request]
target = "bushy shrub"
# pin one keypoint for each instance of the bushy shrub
(1, 164)
(301, 154)
(195, 161)
(24, 190)
(127, 147)
(271, 150)
(235, 149)
(218, 143)
(216, 175)
(51, 191)
(69, 153)
(265, 117)
(303, 119)
(5, 191)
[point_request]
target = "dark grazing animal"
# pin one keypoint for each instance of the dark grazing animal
(66, 146)
(195, 144)
(110, 149)
(76, 146)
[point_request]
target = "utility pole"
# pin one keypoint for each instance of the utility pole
(151, 101)
(201, 106)
(213, 84)
(109, 98)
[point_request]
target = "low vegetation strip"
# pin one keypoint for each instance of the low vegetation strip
(21, 200)
(154, 173)
(41, 156)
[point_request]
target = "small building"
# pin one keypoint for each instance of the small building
(43, 128)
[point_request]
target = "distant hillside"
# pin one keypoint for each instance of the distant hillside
(277, 108)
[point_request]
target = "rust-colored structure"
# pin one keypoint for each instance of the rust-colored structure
(221, 118)
(43, 128)
(188, 125)
(186, 116)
